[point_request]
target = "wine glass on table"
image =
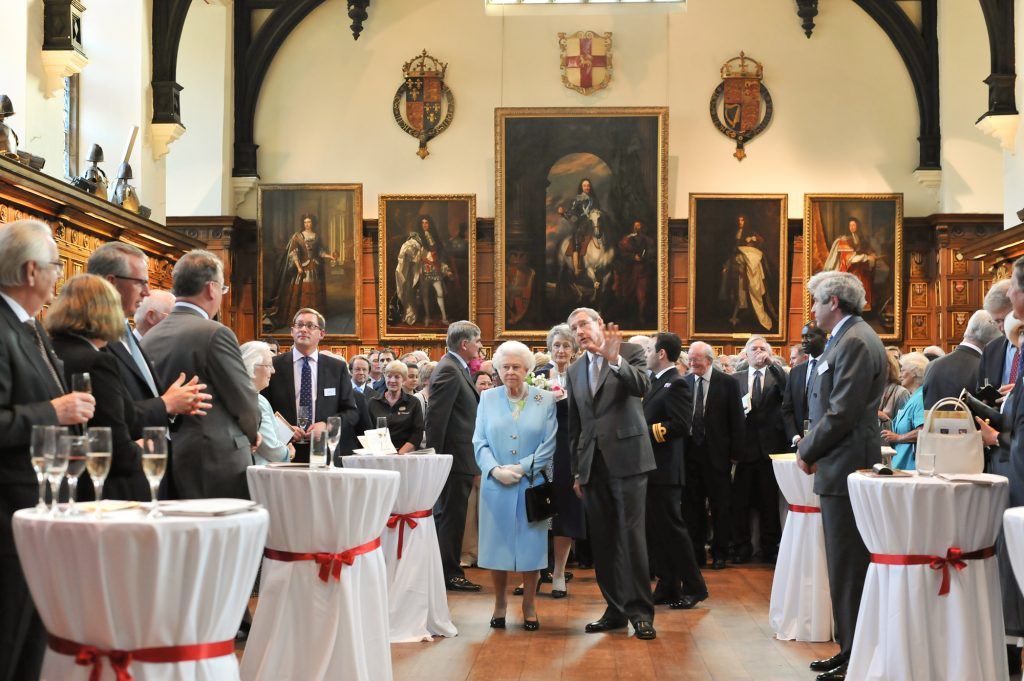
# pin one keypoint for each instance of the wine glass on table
(78, 451)
(382, 433)
(56, 467)
(97, 461)
(333, 438)
(304, 417)
(81, 383)
(44, 444)
(154, 461)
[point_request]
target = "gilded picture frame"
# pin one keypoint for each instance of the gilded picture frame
(427, 264)
(550, 255)
(739, 266)
(310, 241)
(862, 234)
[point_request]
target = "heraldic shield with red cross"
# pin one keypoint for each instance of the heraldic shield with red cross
(425, 96)
(586, 60)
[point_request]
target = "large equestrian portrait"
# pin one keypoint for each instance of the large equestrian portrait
(580, 217)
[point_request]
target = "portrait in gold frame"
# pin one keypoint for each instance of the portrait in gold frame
(546, 264)
(427, 264)
(739, 266)
(861, 234)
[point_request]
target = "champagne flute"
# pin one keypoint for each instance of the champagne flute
(81, 383)
(382, 433)
(333, 438)
(154, 461)
(56, 467)
(304, 417)
(97, 462)
(44, 444)
(78, 450)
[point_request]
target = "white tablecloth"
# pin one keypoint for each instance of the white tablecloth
(800, 607)
(306, 629)
(125, 583)
(417, 600)
(905, 630)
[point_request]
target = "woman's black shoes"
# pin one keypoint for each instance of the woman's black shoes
(497, 623)
(531, 625)
(559, 593)
(518, 591)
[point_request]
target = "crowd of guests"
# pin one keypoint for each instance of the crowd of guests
(658, 455)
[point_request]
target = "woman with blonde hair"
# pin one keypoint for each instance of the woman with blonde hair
(401, 409)
(513, 442)
(84, 318)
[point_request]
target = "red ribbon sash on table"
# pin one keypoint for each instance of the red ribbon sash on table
(330, 563)
(797, 508)
(954, 556)
(403, 519)
(121, 660)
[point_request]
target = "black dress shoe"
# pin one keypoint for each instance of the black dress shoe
(461, 584)
(497, 623)
(837, 674)
(687, 602)
(531, 625)
(568, 576)
(645, 631)
(518, 591)
(604, 624)
(559, 593)
(828, 664)
(665, 600)
(545, 577)
(718, 564)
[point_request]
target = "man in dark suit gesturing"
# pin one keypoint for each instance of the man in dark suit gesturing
(761, 386)
(306, 378)
(450, 421)
(844, 437)
(32, 393)
(212, 452)
(611, 456)
(794, 401)
(716, 435)
(668, 408)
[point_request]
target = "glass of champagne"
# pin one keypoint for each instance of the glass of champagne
(333, 438)
(56, 467)
(304, 417)
(154, 461)
(78, 451)
(81, 383)
(44, 444)
(97, 462)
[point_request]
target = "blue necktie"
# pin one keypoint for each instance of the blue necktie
(306, 387)
(140, 361)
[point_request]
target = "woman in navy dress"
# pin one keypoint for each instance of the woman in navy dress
(514, 436)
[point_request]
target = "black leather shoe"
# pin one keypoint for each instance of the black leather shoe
(545, 577)
(568, 576)
(837, 674)
(518, 591)
(559, 593)
(497, 623)
(461, 584)
(828, 664)
(645, 631)
(718, 564)
(687, 602)
(604, 624)
(531, 625)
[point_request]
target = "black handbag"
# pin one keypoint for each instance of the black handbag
(540, 499)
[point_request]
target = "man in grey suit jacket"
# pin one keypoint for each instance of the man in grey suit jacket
(611, 456)
(842, 404)
(211, 452)
(450, 422)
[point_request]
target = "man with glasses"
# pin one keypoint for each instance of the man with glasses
(308, 379)
(32, 392)
(211, 452)
(156, 403)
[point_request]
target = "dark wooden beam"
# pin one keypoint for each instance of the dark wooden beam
(807, 10)
(1000, 24)
(168, 23)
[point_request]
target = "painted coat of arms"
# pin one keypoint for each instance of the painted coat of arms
(741, 107)
(429, 103)
(586, 60)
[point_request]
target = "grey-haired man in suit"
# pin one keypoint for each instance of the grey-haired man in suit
(611, 456)
(211, 452)
(842, 404)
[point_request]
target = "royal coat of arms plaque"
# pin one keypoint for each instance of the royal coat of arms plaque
(586, 60)
(741, 107)
(429, 103)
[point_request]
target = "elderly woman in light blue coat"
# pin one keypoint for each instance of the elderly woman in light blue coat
(515, 434)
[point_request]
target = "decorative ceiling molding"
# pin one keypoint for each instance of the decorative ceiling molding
(168, 24)
(807, 10)
(1000, 24)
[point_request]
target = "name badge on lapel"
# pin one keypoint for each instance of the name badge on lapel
(402, 409)
(330, 392)
(822, 368)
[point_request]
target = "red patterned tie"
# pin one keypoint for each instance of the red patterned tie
(1015, 367)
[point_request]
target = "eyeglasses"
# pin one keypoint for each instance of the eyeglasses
(57, 266)
(265, 366)
(143, 283)
(305, 325)
(224, 288)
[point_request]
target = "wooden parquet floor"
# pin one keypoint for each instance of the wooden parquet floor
(726, 638)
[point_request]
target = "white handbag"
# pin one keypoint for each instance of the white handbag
(953, 437)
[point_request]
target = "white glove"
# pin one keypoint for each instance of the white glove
(505, 476)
